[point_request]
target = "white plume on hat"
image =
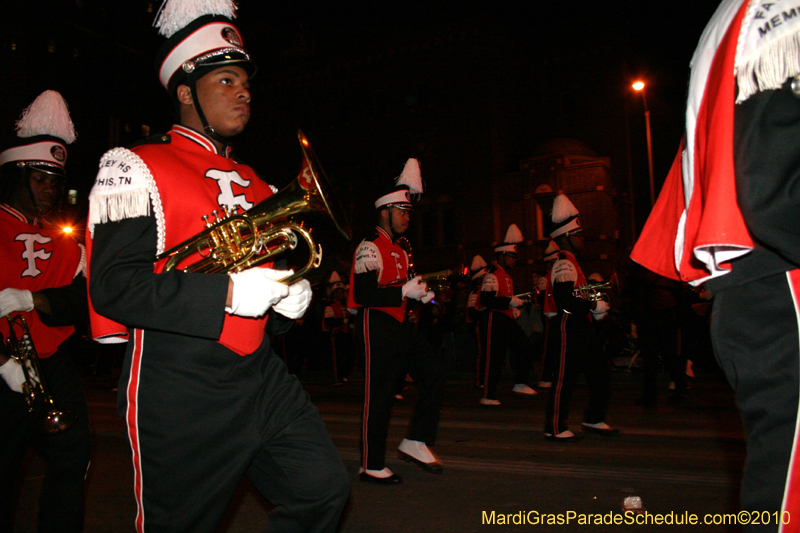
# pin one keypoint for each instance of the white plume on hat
(509, 244)
(564, 216)
(513, 235)
(477, 263)
(563, 208)
(47, 115)
(411, 177)
(478, 267)
(174, 15)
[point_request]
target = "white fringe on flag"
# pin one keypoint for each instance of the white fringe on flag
(777, 62)
(767, 54)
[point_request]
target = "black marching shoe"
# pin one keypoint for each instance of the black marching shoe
(432, 468)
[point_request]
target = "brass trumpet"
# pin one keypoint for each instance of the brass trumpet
(593, 291)
(236, 241)
(37, 397)
(528, 297)
(435, 280)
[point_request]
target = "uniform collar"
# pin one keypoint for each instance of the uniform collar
(16, 214)
(384, 233)
(204, 141)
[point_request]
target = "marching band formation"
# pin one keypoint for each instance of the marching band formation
(187, 260)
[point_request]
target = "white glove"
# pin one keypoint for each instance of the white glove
(600, 310)
(415, 288)
(254, 291)
(14, 301)
(515, 302)
(13, 375)
(295, 304)
(428, 297)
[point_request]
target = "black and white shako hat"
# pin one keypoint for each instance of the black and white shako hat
(509, 244)
(478, 267)
(564, 217)
(407, 186)
(334, 282)
(43, 132)
(200, 36)
(551, 252)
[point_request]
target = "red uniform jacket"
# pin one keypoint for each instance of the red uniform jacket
(37, 258)
(179, 182)
(390, 263)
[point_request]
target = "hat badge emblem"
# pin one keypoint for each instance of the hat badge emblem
(58, 153)
(230, 35)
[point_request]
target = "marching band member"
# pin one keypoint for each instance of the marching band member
(549, 310)
(391, 344)
(727, 217)
(477, 270)
(572, 337)
(498, 327)
(204, 396)
(43, 280)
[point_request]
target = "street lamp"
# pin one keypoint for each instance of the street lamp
(639, 86)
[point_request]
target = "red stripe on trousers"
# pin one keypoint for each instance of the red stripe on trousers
(791, 496)
(364, 448)
(560, 380)
(132, 421)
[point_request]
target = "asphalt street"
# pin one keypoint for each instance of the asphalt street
(680, 461)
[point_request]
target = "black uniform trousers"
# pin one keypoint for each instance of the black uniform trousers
(576, 348)
(754, 328)
(658, 336)
(391, 350)
(67, 453)
(343, 353)
(548, 357)
(499, 333)
(204, 416)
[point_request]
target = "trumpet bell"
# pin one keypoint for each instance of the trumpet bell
(20, 348)
(314, 179)
(56, 421)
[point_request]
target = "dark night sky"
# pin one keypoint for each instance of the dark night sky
(98, 53)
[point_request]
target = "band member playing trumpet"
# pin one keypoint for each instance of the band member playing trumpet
(391, 344)
(42, 279)
(573, 339)
(498, 327)
(205, 398)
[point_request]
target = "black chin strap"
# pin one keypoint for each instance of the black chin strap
(207, 129)
(26, 180)
(391, 223)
